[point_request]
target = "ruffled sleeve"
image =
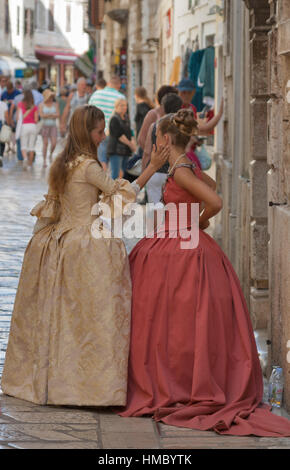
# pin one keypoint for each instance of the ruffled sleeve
(47, 211)
(116, 194)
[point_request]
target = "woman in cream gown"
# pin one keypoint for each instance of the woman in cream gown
(70, 329)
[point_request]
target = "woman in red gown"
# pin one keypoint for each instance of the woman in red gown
(193, 358)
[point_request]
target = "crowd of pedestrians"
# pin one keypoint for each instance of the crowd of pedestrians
(29, 110)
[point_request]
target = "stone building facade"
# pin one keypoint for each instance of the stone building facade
(253, 168)
(5, 29)
(153, 33)
(11, 27)
(22, 14)
(59, 39)
(129, 44)
(45, 38)
(194, 25)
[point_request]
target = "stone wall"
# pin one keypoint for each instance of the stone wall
(233, 226)
(259, 296)
(278, 150)
(253, 173)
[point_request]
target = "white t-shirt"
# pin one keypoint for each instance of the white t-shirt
(3, 109)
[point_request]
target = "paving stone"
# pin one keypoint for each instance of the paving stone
(169, 431)
(224, 442)
(9, 281)
(17, 408)
(49, 432)
(83, 431)
(6, 291)
(8, 433)
(274, 443)
(7, 299)
(5, 419)
(61, 417)
(7, 307)
(129, 440)
(54, 445)
(110, 422)
(216, 442)
(5, 318)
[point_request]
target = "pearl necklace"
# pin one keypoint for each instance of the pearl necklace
(177, 160)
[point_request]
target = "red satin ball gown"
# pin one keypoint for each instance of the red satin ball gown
(193, 357)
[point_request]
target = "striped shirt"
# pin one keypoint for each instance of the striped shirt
(105, 100)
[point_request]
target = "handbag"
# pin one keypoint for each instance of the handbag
(123, 150)
(135, 166)
(204, 157)
(5, 134)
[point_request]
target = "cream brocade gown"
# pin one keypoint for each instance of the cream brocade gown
(70, 329)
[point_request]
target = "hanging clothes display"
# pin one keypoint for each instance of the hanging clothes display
(174, 79)
(206, 77)
(193, 73)
(185, 62)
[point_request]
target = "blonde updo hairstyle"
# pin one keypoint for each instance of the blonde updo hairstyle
(181, 126)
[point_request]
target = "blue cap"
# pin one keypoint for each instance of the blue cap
(186, 85)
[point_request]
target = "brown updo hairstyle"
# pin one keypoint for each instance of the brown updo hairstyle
(79, 142)
(181, 126)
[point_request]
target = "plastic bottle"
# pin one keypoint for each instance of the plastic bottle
(276, 385)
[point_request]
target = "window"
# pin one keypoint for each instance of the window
(18, 21)
(28, 22)
(209, 40)
(40, 15)
(193, 3)
(31, 23)
(25, 21)
(68, 19)
(7, 17)
(51, 16)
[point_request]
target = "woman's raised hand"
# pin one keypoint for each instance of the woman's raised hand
(159, 156)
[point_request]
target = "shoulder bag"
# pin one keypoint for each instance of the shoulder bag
(5, 134)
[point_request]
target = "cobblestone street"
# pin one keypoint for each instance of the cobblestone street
(24, 425)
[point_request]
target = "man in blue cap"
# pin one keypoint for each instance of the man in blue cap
(186, 91)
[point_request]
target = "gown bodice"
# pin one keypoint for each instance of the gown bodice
(174, 195)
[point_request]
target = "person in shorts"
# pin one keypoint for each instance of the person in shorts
(49, 113)
(29, 112)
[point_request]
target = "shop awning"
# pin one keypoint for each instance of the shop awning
(84, 68)
(85, 63)
(56, 55)
(9, 65)
(31, 61)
